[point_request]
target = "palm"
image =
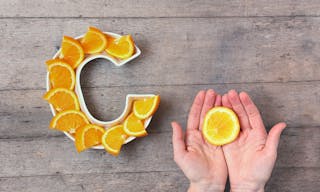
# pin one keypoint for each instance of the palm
(245, 157)
(201, 162)
(251, 157)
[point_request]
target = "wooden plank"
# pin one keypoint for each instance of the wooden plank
(175, 51)
(46, 156)
(154, 8)
(25, 114)
(120, 182)
(282, 180)
(282, 8)
(121, 8)
(294, 179)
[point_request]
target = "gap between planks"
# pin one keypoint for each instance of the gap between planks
(173, 17)
(41, 137)
(109, 173)
(174, 85)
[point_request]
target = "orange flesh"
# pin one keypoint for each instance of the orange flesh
(92, 137)
(71, 51)
(135, 125)
(94, 41)
(220, 125)
(58, 78)
(70, 122)
(144, 105)
(116, 138)
(62, 101)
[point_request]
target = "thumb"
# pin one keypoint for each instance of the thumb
(274, 136)
(179, 146)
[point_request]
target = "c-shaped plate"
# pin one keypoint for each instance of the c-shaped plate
(130, 98)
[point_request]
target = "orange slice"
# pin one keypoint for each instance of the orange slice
(144, 108)
(121, 48)
(88, 136)
(61, 74)
(113, 139)
(134, 126)
(220, 126)
(110, 39)
(62, 99)
(71, 51)
(94, 41)
(69, 121)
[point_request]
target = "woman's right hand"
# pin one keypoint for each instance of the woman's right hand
(251, 157)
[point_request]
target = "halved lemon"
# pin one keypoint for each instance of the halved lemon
(61, 74)
(62, 99)
(113, 139)
(121, 48)
(134, 126)
(94, 41)
(220, 126)
(71, 51)
(88, 136)
(69, 121)
(145, 108)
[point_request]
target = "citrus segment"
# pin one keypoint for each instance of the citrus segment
(110, 39)
(71, 51)
(69, 121)
(220, 126)
(146, 107)
(133, 126)
(121, 48)
(94, 41)
(113, 139)
(61, 74)
(62, 99)
(88, 136)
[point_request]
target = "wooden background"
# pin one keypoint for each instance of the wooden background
(269, 48)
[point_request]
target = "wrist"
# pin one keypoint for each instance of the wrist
(205, 187)
(247, 188)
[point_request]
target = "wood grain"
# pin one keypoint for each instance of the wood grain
(48, 155)
(154, 8)
(205, 51)
(144, 181)
(25, 114)
(269, 48)
(294, 180)
(283, 179)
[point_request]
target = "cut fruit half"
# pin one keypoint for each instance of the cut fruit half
(220, 126)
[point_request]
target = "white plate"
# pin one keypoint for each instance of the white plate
(129, 98)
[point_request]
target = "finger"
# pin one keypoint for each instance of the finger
(218, 101)
(274, 137)
(179, 147)
(226, 102)
(195, 111)
(252, 111)
(239, 109)
(209, 101)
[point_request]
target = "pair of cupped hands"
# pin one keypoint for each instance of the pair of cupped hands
(248, 160)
